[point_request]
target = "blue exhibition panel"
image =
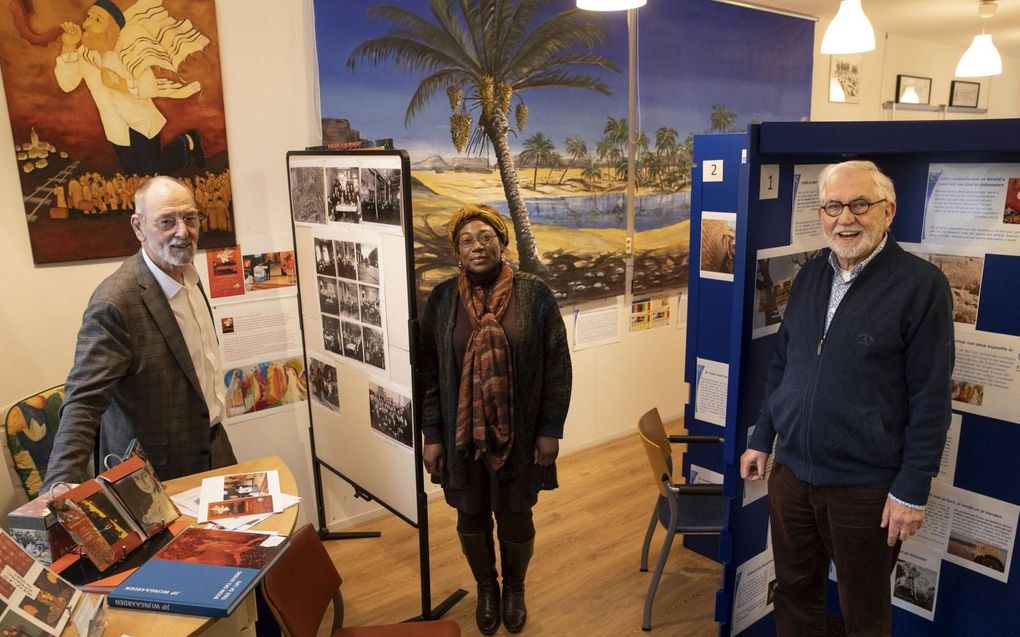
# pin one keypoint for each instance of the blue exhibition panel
(721, 314)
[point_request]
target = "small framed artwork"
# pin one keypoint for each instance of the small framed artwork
(911, 89)
(964, 94)
(845, 79)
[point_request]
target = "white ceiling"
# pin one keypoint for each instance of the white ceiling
(954, 22)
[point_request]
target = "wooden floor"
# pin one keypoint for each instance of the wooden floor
(584, 578)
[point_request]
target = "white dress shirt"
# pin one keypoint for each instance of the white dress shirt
(193, 317)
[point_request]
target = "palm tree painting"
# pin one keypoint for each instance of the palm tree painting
(495, 49)
(519, 104)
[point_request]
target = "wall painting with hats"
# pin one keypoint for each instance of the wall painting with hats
(539, 130)
(102, 94)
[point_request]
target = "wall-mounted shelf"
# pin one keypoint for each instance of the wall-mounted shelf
(941, 108)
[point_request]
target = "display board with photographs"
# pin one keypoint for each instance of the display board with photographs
(350, 213)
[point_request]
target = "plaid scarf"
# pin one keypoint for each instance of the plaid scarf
(485, 400)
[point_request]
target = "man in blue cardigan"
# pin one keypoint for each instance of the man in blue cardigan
(857, 402)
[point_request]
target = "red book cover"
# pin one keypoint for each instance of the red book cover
(96, 523)
(219, 548)
(226, 276)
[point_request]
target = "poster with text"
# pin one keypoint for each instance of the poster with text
(974, 205)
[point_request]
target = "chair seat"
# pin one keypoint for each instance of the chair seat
(697, 513)
(410, 629)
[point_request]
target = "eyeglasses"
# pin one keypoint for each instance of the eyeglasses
(857, 207)
(485, 238)
(191, 220)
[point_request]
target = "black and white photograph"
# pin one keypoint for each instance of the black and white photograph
(915, 584)
(328, 295)
(380, 196)
(308, 195)
(346, 260)
(325, 263)
(331, 335)
(349, 300)
(390, 413)
(353, 348)
(845, 78)
(343, 194)
(324, 389)
(374, 347)
(370, 311)
(368, 263)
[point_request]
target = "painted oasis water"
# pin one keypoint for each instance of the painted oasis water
(606, 210)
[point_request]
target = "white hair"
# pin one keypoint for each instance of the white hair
(883, 185)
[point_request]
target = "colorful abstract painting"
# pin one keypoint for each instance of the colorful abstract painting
(522, 105)
(102, 94)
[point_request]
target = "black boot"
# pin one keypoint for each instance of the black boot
(481, 557)
(515, 557)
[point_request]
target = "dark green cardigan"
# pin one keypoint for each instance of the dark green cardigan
(542, 376)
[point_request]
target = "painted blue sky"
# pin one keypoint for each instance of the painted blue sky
(692, 53)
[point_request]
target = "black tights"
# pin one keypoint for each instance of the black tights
(512, 527)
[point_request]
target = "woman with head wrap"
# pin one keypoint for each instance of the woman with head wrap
(495, 370)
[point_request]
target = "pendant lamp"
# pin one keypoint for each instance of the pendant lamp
(610, 5)
(982, 58)
(849, 32)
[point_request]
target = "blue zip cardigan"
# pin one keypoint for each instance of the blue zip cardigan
(868, 405)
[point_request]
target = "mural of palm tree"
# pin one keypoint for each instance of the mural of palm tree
(591, 173)
(494, 48)
(539, 150)
(722, 118)
(578, 150)
(611, 149)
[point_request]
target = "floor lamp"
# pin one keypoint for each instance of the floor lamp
(631, 6)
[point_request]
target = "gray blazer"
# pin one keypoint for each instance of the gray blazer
(132, 373)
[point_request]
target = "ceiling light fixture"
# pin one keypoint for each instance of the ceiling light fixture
(849, 32)
(982, 58)
(610, 5)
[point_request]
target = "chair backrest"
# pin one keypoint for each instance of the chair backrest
(29, 428)
(656, 443)
(301, 584)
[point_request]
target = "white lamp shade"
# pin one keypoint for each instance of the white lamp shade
(849, 32)
(610, 5)
(981, 59)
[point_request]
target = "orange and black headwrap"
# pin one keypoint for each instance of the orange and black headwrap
(470, 212)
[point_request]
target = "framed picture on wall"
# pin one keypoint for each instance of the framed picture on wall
(911, 89)
(845, 78)
(964, 94)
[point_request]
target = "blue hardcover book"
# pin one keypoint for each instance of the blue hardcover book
(201, 572)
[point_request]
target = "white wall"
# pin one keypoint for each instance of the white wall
(270, 85)
(899, 55)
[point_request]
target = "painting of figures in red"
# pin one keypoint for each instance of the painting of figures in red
(102, 94)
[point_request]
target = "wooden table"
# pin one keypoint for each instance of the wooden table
(138, 623)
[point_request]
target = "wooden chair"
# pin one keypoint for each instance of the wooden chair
(301, 584)
(681, 508)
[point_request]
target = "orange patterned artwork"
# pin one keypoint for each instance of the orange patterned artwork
(101, 94)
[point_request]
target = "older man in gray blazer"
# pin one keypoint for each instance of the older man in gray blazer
(147, 365)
